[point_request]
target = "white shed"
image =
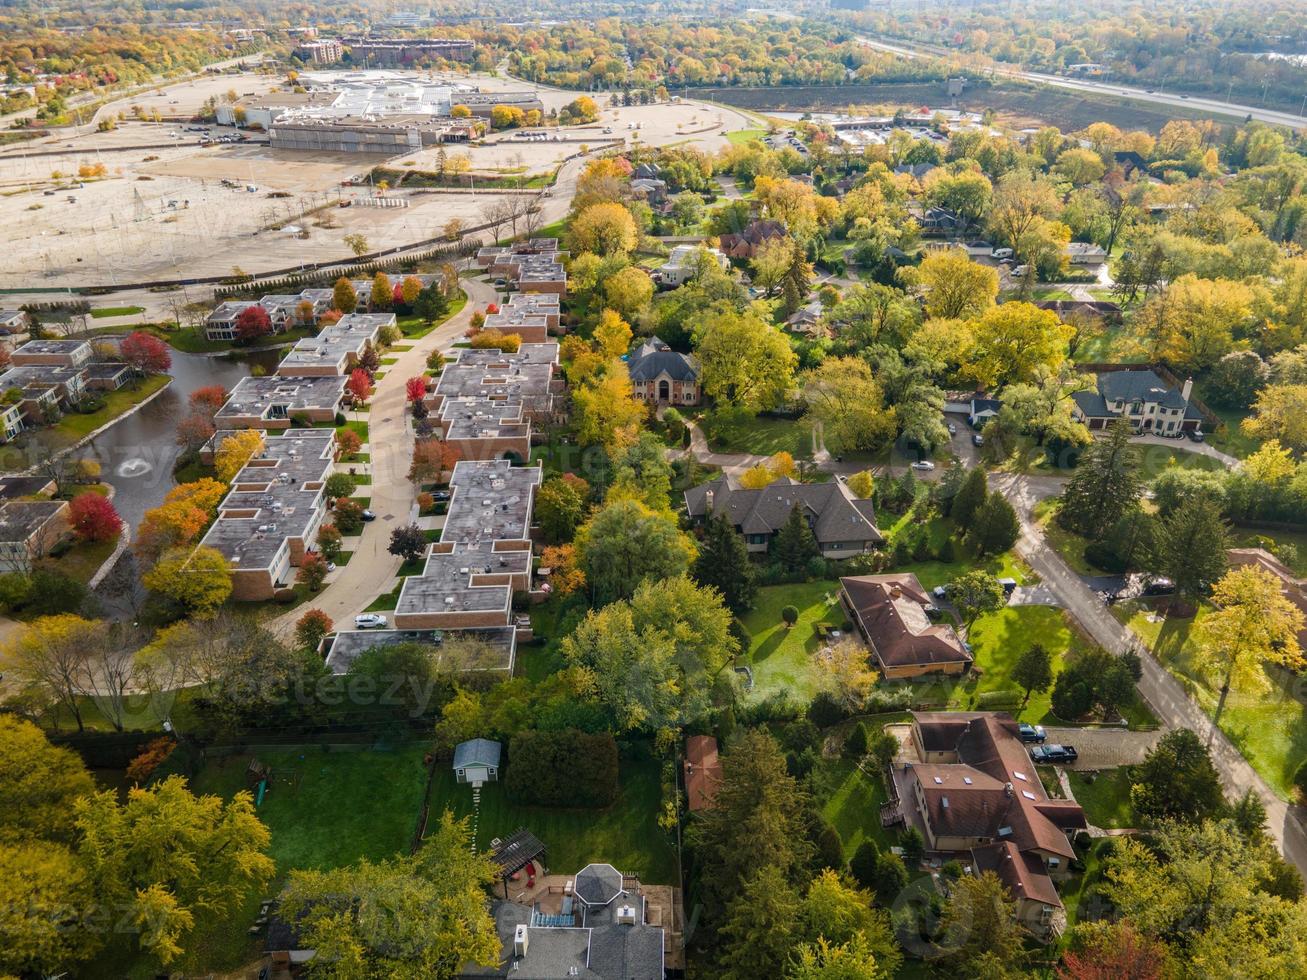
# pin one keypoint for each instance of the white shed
(476, 761)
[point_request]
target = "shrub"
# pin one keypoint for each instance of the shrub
(14, 589)
(567, 768)
(889, 699)
(855, 746)
(863, 863)
(998, 701)
(790, 615)
(152, 756)
(826, 710)
(800, 734)
(1300, 781)
(830, 849)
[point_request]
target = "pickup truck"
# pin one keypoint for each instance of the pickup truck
(1046, 754)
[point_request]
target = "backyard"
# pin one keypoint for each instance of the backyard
(626, 835)
(732, 432)
(1269, 727)
(1104, 796)
(850, 799)
(781, 657)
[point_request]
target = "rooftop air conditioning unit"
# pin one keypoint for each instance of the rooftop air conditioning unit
(521, 939)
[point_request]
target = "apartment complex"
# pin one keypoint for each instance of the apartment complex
(271, 517)
(486, 400)
(274, 402)
(334, 351)
(390, 51)
(48, 377)
(534, 266)
(285, 312)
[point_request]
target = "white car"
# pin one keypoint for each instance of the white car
(924, 465)
(370, 621)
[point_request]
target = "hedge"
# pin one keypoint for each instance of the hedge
(998, 701)
(566, 768)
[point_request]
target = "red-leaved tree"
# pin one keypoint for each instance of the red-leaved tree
(311, 628)
(330, 317)
(252, 324)
(1115, 952)
(194, 431)
(415, 389)
(359, 386)
(94, 518)
(208, 399)
(145, 353)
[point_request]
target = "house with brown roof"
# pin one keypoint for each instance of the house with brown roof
(703, 771)
(975, 792)
(745, 244)
(891, 613)
(1292, 587)
(843, 524)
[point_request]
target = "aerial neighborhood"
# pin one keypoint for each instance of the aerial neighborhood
(639, 493)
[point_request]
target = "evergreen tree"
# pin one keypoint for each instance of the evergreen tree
(1177, 780)
(855, 747)
(945, 492)
(1191, 546)
(795, 543)
(724, 564)
(864, 862)
(1033, 671)
(760, 928)
(1104, 486)
(996, 527)
(970, 497)
(431, 304)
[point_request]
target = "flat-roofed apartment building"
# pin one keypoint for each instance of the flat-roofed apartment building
(546, 305)
(334, 351)
(373, 51)
(283, 309)
(485, 401)
(53, 353)
(271, 402)
(28, 530)
(535, 265)
(272, 514)
(484, 552)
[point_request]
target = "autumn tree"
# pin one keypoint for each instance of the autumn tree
(431, 459)
(382, 293)
(1020, 197)
(1013, 342)
(605, 410)
(197, 579)
(145, 353)
(745, 362)
(604, 229)
(1280, 412)
(625, 543)
(52, 656)
(847, 673)
(847, 403)
(1253, 624)
(954, 286)
(359, 387)
(94, 518)
(311, 628)
(408, 542)
(343, 296)
(252, 323)
(39, 783)
(312, 571)
(235, 451)
(1112, 951)
(165, 856)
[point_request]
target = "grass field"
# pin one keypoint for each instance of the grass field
(731, 433)
(626, 835)
(414, 327)
(781, 657)
(1105, 799)
(853, 805)
(742, 136)
(1269, 727)
(108, 311)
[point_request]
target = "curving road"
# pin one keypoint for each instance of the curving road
(372, 569)
(1212, 106)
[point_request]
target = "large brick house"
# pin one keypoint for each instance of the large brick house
(662, 375)
(890, 612)
(1150, 404)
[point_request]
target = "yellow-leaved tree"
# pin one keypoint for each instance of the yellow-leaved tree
(235, 451)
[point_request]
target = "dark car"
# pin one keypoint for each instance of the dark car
(1159, 586)
(1046, 754)
(1031, 733)
(1197, 435)
(440, 495)
(369, 516)
(1009, 586)
(977, 440)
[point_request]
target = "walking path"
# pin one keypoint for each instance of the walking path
(390, 440)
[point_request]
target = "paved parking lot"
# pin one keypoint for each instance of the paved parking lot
(1104, 748)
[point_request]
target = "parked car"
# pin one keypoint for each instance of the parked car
(370, 621)
(924, 465)
(369, 516)
(1047, 754)
(1197, 435)
(940, 592)
(977, 439)
(440, 495)
(1031, 733)
(1160, 586)
(952, 429)
(1009, 585)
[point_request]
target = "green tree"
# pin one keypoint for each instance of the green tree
(1033, 671)
(424, 915)
(970, 497)
(723, 563)
(890, 879)
(431, 303)
(559, 507)
(980, 925)
(1104, 486)
(975, 593)
(996, 527)
(1177, 781)
(745, 362)
(1191, 546)
(624, 544)
(855, 746)
(39, 783)
(863, 864)
(795, 543)
(760, 929)
(168, 856)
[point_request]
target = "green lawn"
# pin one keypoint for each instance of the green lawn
(1105, 797)
(626, 835)
(734, 433)
(853, 806)
(742, 136)
(193, 341)
(107, 311)
(781, 657)
(1069, 545)
(1077, 889)
(83, 560)
(1269, 727)
(1255, 537)
(414, 327)
(358, 426)
(75, 426)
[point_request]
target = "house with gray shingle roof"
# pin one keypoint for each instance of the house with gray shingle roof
(843, 524)
(1141, 396)
(660, 374)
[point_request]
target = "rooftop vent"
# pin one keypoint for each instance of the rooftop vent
(626, 915)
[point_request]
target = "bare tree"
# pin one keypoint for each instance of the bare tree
(109, 673)
(495, 215)
(52, 654)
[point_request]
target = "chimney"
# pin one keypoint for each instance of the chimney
(1187, 390)
(707, 500)
(1007, 788)
(520, 940)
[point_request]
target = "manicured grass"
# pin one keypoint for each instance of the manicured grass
(83, 560)
(626, 835)
(1105, 797)
(1156, 459)
(108, 311)
(853, 807)
(415, 328)
(1067, 544)
(1269, 727)
(1078, 889)
(781, 656)
(1229, 437)
(358, 426)
(193, 341)
(742, 136)
(348, 805)
(75, 426)
(386, 601)
(389, 360)
(733, 433)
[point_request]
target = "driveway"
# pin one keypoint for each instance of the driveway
(372, 569)
(1164, 695)
(1033, 595)
(1104, 748)
(1189, 446)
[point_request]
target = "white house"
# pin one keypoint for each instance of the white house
(476, 761)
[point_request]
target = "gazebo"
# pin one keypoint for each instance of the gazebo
(515, 852)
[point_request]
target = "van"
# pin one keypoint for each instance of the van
(1002, 253)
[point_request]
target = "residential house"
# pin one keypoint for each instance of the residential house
(745, 244)
(808, 320)
(1097, 309)
(1140, 395)
(977, 406)
(28, 530)
(844, 525)
(662, 375)
(683, 262)
(973, 791)
(650, 189)
(939, 222)
(1084, 253)
(892, 612)
(1292, 587)
(476, 761)
(703, 772)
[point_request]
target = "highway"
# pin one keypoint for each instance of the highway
(1198, 104)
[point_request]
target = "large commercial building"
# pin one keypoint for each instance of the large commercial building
(392, 51)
